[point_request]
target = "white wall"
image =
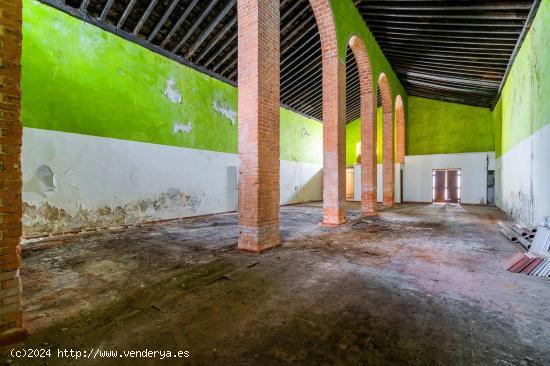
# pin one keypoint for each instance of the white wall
(523, 179)
(418, 175)
(380, 183)
(72, 181)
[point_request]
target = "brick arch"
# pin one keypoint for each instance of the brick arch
(368, 126)
(334, 117)
(388, 176)
(400, 129)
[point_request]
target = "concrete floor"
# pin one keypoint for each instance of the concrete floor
(419, 285)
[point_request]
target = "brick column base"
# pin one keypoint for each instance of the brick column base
(11, 322)
(334, 217)
(257, 239)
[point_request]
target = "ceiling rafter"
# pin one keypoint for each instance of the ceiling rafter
(444, 49)
(450, 50)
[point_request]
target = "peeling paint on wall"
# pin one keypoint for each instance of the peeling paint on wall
(225, 111)
(46, 179)
(46, 219)
(172, 92)
(106, 182)
(183, 128)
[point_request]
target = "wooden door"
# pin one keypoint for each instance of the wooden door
(439, 186)
(453, 186)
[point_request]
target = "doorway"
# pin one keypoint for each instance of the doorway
(446, 186)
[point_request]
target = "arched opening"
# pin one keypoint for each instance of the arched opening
(334, 117)
(259, 117)
(367, 102)
(388, 175)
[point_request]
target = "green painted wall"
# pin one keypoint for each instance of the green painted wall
(301, 138)
(78, 78)
(353, 139)
(497, 128)
(524, 103)
(436, 127)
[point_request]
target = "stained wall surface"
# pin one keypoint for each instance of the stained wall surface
(522, 122)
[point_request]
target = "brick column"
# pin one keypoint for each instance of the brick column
(400, 129)
(334, 117)
(368, 127)
(259, 101)
(388, 143)
(369, 162)
(11, 324)
(334, 143)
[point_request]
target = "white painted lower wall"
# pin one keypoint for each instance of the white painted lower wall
(418, 175)
(379, 181)
(523, 179)
(73, 181)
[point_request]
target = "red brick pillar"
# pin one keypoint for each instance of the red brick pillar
(368, 127)
(334, 117)
(400, 129)
(259, 101)
(388, 178)
(11, 324)
(369, 159)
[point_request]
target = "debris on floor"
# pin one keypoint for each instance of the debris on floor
(536, 262)
(420, 285)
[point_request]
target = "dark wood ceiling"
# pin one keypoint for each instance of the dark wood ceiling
(452, 50)
(447, 49)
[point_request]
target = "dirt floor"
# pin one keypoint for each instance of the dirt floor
(416, 285)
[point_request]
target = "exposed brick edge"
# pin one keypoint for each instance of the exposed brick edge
(400, 129)
(388, 176)
(11, 322)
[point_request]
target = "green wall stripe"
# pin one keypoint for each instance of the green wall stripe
(524, 105)
(436, 127)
